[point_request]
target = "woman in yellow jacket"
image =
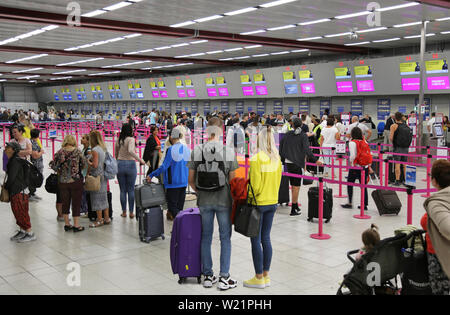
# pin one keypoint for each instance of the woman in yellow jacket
(265, 179)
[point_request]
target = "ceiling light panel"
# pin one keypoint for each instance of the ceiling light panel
(28, 70)
(117, 6)
(241, 11)
(281, 27)
(77, 62)
(407, 24)
(27, 58)
(348, 16)
(276, 3)
(372, 30)
(253, 32)
(309, 38)
(93, 13)
(209, 18)
(72, 71)
(386, 40)
(400, 6)
(337, 35)
(355, 44)
(183, 24)
(314, 22)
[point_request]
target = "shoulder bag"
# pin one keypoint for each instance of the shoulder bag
(92, 183)
(4, 195)
(248, 217)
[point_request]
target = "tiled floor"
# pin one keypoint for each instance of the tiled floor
(113, 261)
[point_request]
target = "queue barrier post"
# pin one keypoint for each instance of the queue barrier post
(320, 235)
(428, 169)
(386, 169)
(428, 178)
(380, 157)
(340, 180)
(53, 148)
(4, 135)
(362, 216)
(140, 151)
(410, 206)
(332, 163)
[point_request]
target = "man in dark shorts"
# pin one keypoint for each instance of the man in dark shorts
(294, 147)
(401, 137)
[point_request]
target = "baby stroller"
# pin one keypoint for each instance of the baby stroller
(389, 261)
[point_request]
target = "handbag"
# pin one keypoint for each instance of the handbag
(92, 183)
(248, 217)
(4, 195)
(51, 184)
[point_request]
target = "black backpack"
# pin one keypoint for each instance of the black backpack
(35, 178)
(403, 136)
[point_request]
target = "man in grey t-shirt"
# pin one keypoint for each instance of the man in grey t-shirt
(215, 203)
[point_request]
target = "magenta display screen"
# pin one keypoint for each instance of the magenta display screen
(155, 94)
(212, 92)
(438, 83)
(181, 93)
(411, 84)
(261, 90)
(248, 90)
(308, 88)
(345, 86)
(365, 86)
(223, 92)
(164, 94)
(191, 93)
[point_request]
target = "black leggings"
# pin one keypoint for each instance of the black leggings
(175, 200)
(354, 175)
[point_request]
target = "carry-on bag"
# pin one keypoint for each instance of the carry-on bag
(149, 195)
(248, 217)
(185, 245)
(283, 192)
(151, 223)
(313, 203)
(387, 201)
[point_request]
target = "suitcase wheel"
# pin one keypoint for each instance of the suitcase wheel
(181, 280)
(310, 219)
(327, 220)
(163, 237)
(199, 280)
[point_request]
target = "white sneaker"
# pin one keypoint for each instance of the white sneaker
(209, 281)
(29, 237)
(18, 235)
(226, 283)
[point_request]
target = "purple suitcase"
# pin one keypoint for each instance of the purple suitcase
(185, 254)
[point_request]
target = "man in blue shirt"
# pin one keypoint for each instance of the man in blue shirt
(153, 117)
(175, 172)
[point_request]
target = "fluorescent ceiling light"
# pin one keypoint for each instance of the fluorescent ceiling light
(9, 40)
(275, 3)
(93, 13)
(133, 35)
(347, 16)
(50, 27)
(418, 36)
(3, 80)
(198, 42)
(254, 46)
(114, 40)
(77, 62)
(280, 53)
(407, 24)
(135, 1)
(226, 59)
(103, 73)
(182, 24)
(234, 49)
(243, 57)
(63, 78)
(446, 32)
(214, 52)
(314, 22)
(253, 32)
(309, 38)
(144, 51)
(72, 71)
(26, 35)
(27, 70)
(400, 6)
(163, 48)
(299, 51)
(386, 40)
(355, 44)
(117, 6)
(281, 27)
(337, 35)
(209, 18)
(443, 19)
(180, 45)
(197, 55)
(184, 56)
(241, 11)
(29, 77)
(372, 30)
(27, 58)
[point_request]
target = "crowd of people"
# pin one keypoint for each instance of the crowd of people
(177, 166)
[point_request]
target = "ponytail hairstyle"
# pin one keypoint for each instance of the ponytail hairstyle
(127, 131)
(370, 238)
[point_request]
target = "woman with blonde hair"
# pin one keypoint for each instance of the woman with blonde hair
(264, 184)
(99, 199)
(69, 162)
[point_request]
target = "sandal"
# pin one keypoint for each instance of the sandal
(96, 224)
(347, 206)
(78, 229)
(131, 215)
(67, 228)
(123, 215)
(107, 222)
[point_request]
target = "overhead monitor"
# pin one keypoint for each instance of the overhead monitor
(223, 91)
(436, 66)
(289, 76)
(191, 93)
(410, 68)
(305, 75)
(410, 84)
(179, 83)
(181, 93)
(261, 90)
(248, 91)
(245, 79)
(259, 78)
(363, 71)
(212, 92)
(343, 73)
(155, 94)
(164, 94)
(188, 83)
(438, 83)
(221, 81)
(308, 88)
(291, 89)
(344, 87)
(365, 86)
(210, 82)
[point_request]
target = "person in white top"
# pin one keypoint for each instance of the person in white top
(329, 135)
(355, 123)
(339, 125)
(430, 124)
(236, 137)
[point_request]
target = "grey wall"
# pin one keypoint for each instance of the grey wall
(20, 93)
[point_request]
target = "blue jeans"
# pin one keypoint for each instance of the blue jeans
(224, 220)
(127, 179)
(262, 257)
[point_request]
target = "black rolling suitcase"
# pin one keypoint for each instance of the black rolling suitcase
(151, 224)
(283, 192)
(392, 173)
(92, 215)
(313, 203)
(387, 202)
